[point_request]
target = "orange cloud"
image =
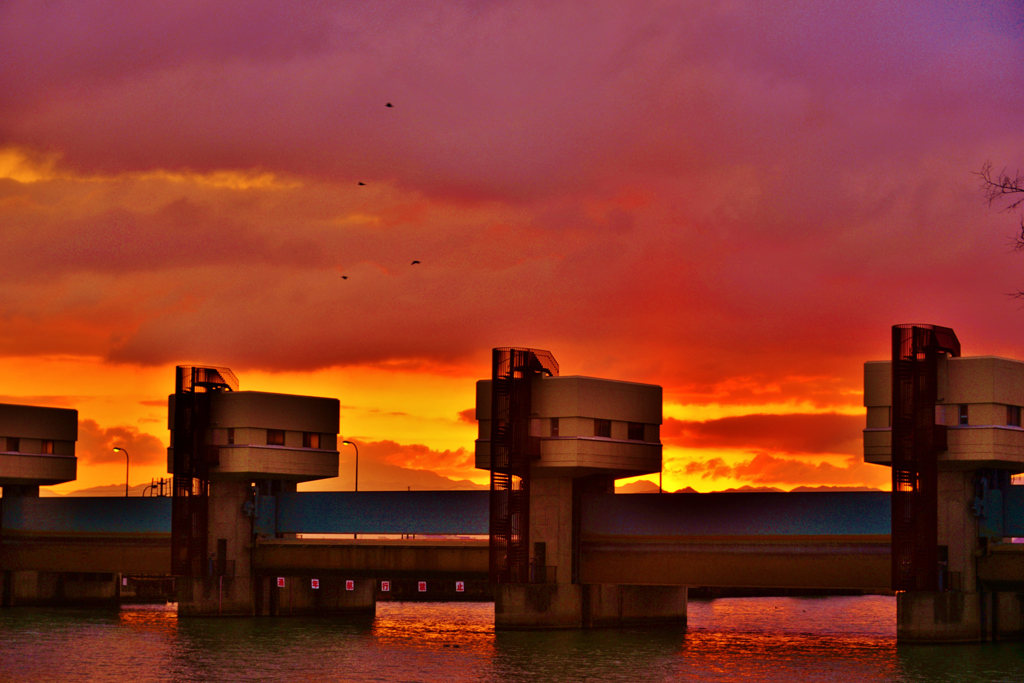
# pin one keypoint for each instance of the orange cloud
(794, 434)
(450, 463)
(767, 469)
(95, 445)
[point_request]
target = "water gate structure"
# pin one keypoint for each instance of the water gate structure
(560, 548)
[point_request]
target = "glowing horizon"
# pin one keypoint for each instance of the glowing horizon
(735, 203)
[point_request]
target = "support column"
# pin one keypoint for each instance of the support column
(556, 599)
(227, 587)
(232, 586)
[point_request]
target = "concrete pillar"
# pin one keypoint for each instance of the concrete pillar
(331, 596)
(556, 599)
(33, 587)
(227, 589)
(958, 529)
(963, 612)
(528, 606)
(232, 588)
(59, 589)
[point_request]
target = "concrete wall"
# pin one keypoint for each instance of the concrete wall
(26, 587)
(524, 606)
(33, 422)
(985, 384)
(33, 427)
(551, 524)
(22, 469)
(248, 415)
(245, 463)
(577, 402)
(958, 527)
(959, 617)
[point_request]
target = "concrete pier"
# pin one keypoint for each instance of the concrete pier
(264, 444)
(977, 443)
(529, 606)
(588, 433)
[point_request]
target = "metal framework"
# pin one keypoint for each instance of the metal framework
(512, 451)
(192, 459)
(916, 443)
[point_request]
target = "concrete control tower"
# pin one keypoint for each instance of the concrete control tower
(228, 447)
(549, 440)
(950, 429)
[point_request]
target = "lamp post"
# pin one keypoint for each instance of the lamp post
(353, 445)
(118, 449)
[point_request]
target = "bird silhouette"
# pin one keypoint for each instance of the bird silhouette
(389, 105)
(344, 277)
(414, 262)
(362, 183)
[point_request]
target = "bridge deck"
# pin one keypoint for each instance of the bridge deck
(815, 540)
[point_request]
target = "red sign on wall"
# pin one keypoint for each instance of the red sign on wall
(460, 586)
(280, 582)
(385, 586)
(350, 585)
(315, 584)
(422, 586)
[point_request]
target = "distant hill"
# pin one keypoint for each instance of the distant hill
(644, 486)
(108, 491)
(752, 489)
(804, 489)
(425, 480)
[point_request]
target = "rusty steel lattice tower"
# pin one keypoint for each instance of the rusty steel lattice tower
(192, 460)
(512, 450)
(916, 443)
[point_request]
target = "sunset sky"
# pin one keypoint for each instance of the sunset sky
(734, 200)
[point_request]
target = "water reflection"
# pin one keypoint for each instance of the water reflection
(153, 618)
(435, 625)
(738, 639)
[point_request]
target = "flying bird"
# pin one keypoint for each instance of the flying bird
(389, 105)
(362, 183)
(414, 262)
(344, 277)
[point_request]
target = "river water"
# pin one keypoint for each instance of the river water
(728, 639)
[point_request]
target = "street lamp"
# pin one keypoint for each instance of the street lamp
(353, 445)
(118, 449)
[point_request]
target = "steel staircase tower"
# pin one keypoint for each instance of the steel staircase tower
(916, 444)
(192, 459)
(512, 451)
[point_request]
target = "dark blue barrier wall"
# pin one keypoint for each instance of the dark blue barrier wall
(61, 516)
(466, 512)
(384, 512)
(737, 514)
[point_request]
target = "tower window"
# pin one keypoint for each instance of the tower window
(231, 436)
(603, 428)
(1013, 416)
(275, 437)
(554, 426)
(46, 447)
(963, 414)
(636, 431)
(13, 444)
(310, 440)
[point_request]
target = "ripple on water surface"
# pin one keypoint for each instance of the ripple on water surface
(735, 639)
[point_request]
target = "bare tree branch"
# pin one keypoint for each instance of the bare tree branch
(998, 186)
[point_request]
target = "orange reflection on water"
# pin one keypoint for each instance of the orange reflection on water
(162, 619)
(819, 637)
(435, 625)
